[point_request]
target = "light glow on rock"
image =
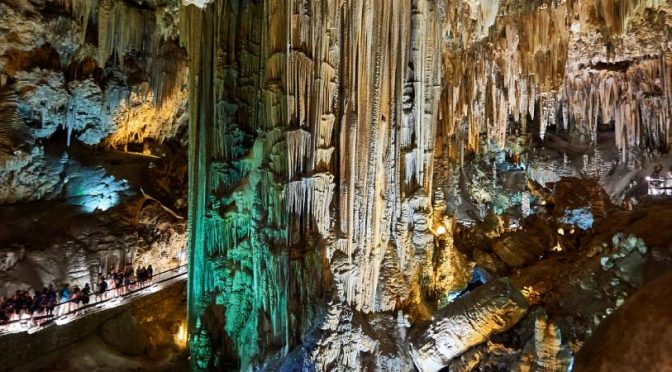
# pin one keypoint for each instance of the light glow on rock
(181, 335)
(198, 3)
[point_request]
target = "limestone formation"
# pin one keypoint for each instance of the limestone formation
(311, 117)
(315, 143)
(492, 308)
(361, 184)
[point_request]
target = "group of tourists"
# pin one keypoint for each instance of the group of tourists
(37, 306)
(121, 281)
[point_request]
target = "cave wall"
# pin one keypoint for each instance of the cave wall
(93, 119)
(335, 150)
(574, 65)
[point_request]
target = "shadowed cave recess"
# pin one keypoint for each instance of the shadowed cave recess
(352, 185)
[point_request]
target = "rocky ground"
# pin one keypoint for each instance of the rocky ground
(549, 284)
(573, 288)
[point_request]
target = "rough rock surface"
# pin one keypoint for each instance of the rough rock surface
(354, 166)
(320, 161)
(305, 187)
(79, 246)
(494, 307)
(636, 336)
(69, 93)
(67, 88)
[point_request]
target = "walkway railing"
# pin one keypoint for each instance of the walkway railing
(659, 185)
(64, 312)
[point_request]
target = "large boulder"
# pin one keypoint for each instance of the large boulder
(520, 248)
(637, 337)
(467, 322)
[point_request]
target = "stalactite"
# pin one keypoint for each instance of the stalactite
(639, 110)
(83, 10)
(615, 14)
(299, 147)
(508, 75)
(284, 94)
(121, 28)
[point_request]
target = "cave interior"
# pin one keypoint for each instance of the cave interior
(336, 185)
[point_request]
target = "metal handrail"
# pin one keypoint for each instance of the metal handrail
(651, 183)
(51, 317)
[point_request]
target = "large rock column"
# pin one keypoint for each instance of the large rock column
(311, 138)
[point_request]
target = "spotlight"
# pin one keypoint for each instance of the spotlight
(440, 230)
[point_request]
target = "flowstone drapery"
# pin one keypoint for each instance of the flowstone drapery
(307, 166)
(312, 147)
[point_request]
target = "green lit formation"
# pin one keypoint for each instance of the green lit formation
(242, 271)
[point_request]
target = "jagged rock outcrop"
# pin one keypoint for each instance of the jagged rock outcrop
(353, 340)
(66, 80)
(58, 82)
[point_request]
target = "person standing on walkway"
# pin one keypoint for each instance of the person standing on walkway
(150, 272)
(102, 287)
(76, 298)
(51, 297)
(86, 293)
(65, 297)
